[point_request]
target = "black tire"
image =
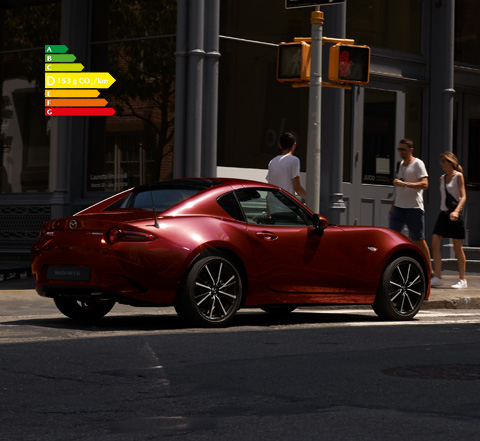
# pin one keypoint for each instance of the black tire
(401, 291)
(279, 309)
(211, 293)
(84, 310)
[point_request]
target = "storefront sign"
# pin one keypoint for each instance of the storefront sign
(109, 182)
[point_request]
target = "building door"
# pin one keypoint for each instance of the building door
(377, 125)
(467, 148)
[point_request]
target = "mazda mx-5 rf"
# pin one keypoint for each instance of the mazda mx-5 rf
(211, 246)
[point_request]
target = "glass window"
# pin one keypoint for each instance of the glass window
(230, 204)
(347, 138)
(378, 137)
(467, 33)
(26, 145)
(135, 43)
(163, 199)
(473, 167)
(165, 194)
(392, 24)
(117, 205)
(271, 207)
(254, 108)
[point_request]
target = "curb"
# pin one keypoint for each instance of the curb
(466, 302)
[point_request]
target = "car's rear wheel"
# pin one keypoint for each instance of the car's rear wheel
(278, 309)
(83, 309)
(211, 294)
(402, 290)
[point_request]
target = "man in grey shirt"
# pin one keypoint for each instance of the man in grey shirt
(407, 208)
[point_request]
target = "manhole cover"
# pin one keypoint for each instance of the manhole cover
(470, 372)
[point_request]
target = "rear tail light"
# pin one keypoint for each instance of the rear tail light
(115, 234)
(45, 231)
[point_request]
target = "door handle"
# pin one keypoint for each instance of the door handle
(266, 235)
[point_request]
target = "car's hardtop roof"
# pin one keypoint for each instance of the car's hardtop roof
(198, 183)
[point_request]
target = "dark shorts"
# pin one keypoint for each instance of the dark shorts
(413, 218)
(448, 228)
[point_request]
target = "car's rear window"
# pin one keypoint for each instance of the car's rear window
(162, 199)
(163, 195)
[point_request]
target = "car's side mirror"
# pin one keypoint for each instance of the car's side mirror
(319, 224)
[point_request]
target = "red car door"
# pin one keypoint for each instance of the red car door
(290, 256)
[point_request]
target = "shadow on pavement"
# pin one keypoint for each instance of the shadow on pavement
(163, 321)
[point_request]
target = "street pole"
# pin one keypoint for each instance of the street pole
(314, 113)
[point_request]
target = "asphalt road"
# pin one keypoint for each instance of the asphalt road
(315, 375)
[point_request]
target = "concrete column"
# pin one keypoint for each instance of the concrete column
(332, 203)
(71, 129)
(441, 97)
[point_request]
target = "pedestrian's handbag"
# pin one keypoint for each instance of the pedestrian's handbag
(450, 201)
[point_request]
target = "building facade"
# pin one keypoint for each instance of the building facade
(196, 95)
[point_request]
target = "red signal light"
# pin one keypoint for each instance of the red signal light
(349, 64)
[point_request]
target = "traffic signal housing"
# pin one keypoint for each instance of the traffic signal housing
(349, 64)
(293, 62)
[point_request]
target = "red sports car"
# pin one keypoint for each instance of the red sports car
(211, 246)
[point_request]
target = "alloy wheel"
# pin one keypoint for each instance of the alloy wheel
(406, 287)
(217, 290)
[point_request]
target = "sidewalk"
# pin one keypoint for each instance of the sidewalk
(446, 297)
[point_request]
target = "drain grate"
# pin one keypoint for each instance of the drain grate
(469, 372)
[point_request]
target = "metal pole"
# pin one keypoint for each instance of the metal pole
(210, 100)
(314, 114)
(179, 153)
(196, 56)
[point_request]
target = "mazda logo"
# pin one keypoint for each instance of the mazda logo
(73, 224)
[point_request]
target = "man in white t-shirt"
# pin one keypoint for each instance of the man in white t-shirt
(407, 208)
(284, 169)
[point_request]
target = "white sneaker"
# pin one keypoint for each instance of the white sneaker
(435, 281)
(460, 284)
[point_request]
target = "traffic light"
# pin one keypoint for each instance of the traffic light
(349, 64)
(293, 63)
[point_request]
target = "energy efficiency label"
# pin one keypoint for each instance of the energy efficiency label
(68, 90)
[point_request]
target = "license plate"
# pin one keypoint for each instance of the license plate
(74, 273)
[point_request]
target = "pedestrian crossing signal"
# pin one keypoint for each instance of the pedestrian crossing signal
(349, 64)
(293, 62)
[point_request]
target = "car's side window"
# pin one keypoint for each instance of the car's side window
(230, 204)
(271, 207)
(116, 205)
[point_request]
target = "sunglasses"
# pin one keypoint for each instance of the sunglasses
(402, 150)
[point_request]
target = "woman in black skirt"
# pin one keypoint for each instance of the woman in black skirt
(450, 221)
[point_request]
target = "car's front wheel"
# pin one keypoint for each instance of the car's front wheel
(83, 309)
(211, 294)
(402, 290)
